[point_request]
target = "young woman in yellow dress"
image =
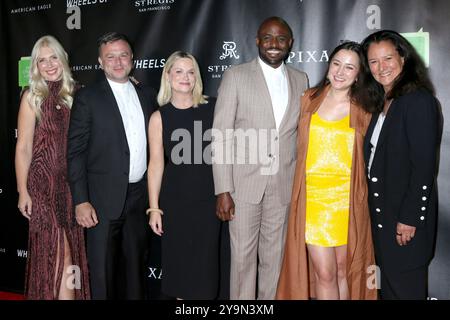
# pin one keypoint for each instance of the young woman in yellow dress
(328, 249)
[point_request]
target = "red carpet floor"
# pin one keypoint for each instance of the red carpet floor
(10, 296)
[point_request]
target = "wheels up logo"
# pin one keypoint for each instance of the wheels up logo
(421, 42)
(152, 63)
(79, 3)
(229, 51)
(74, 10)
(24, 71)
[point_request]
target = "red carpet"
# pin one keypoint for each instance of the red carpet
(10, 296)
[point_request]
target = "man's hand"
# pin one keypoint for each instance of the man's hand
(225, 207)
(85, 215)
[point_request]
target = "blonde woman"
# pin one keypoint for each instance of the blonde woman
(184, 184)
(56, 265)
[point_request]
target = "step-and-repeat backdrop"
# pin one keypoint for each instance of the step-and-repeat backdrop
(219, 33)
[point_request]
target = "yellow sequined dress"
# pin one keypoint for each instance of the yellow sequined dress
(328, 170)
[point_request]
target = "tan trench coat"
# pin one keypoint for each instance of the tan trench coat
(297, 278)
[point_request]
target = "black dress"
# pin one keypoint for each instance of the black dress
(191, 238)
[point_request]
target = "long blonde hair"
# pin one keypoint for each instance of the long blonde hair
(39, 91)
(165, 91)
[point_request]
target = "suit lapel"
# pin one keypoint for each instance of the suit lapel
(291, 104)
(369, 133)
(386, 124)
(144, 104)
(383, 133)
(261, 84)
(110, 100)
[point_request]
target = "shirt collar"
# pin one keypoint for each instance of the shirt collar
(272, 71)
(118, 85)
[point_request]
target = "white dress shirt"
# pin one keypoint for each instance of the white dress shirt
(277, 84)
(134, 124)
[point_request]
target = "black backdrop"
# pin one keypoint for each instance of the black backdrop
(219, 33)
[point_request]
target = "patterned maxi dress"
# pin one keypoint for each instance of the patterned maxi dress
(52, 211)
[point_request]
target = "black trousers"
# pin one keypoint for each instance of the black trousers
(410, 285)
(118, 250)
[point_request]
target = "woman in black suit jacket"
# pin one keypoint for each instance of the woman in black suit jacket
(401, 156)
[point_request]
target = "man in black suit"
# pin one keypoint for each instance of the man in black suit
(107, 163)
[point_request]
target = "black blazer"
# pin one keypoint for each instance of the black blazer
(98, 155)
(402, 183)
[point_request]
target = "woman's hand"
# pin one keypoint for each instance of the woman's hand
(25, 204)
(404, 233)
(155, 222)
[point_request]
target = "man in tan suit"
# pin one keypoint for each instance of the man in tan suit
(255, 134)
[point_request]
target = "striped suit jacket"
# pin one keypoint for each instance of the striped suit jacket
(244, 113)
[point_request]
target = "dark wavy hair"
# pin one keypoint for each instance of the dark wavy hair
(414, 74)
(357, 91)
